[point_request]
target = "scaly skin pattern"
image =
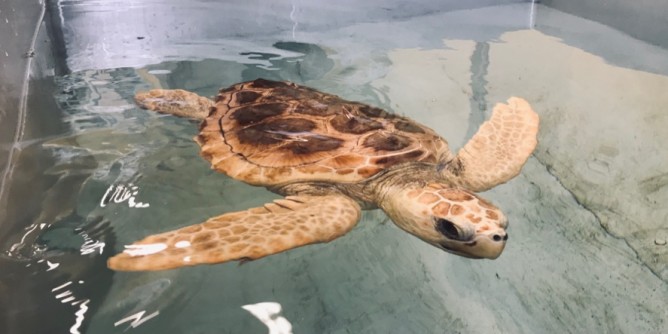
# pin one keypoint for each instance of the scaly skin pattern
(452, 219)
(498, 150)
(246, 235)
(175, 102)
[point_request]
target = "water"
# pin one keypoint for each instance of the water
(587, 251)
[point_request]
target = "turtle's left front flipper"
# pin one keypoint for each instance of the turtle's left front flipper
(177, 102)
(245, 235)
(499, 149)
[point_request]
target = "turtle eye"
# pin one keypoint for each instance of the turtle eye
(448, 229)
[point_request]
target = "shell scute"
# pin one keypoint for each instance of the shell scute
(387, 141)
(264, 83)
(251, 114)
(408, 126)
(315, 144)
(354, 124)
(390, 160)
(372, 111)
(267, 132)
(244, 97)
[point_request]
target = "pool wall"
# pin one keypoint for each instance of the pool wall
(646, 19)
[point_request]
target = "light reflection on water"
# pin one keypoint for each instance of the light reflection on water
(65, 295)
(269, 314)
(121, 141)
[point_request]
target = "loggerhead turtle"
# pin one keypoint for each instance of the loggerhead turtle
(331, 158)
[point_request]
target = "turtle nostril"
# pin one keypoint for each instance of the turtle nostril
(498, 237)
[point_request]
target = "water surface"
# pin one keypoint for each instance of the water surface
(587, 249)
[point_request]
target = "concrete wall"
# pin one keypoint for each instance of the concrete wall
(643, 19)
(152, 32)
(17, 23)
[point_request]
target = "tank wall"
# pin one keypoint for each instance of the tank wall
(644, 19)
(153, 32)
(18, 19)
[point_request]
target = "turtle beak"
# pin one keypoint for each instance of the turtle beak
(482, 247)
(456, 252)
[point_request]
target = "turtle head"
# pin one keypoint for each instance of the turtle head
(452, 219)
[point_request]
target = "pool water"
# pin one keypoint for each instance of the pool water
(588, 229)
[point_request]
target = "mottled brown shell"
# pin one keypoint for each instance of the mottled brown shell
(266, 133)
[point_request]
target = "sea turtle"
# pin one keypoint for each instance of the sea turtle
(331, 158)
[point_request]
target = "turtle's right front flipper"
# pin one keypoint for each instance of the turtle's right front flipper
(176, 102)
(245, 235)
(499, 149)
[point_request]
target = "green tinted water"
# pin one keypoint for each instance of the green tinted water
(586, 253)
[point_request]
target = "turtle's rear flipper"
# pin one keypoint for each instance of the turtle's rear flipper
(177, 102)
(245, 235)
(499, 149)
